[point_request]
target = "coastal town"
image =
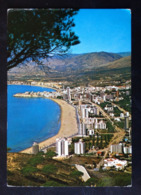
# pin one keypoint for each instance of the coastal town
(100, 128)
(69, 99)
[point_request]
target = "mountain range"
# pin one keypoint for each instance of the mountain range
(73, 65)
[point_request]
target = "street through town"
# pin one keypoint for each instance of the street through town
(117, 136)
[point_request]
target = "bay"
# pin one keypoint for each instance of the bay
(30, 119)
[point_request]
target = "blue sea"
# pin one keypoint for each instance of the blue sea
(30, 119)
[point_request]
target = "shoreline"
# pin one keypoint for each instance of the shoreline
(44, 86)
(68, 125)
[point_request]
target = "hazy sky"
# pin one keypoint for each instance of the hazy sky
(103, 30)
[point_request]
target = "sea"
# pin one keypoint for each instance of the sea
(30, 119)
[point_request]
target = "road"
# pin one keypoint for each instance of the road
(85, 176)
(121, 109)
(117, 137)
(103, 112)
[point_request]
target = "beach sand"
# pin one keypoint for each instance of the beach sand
(68, 125)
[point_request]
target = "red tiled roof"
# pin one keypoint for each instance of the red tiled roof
(118, 164)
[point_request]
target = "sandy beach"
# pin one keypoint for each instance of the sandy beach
(68, 125)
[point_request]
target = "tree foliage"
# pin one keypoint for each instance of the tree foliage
(91, 181)
(115, 179)
(76, 174)
(50, 154)
(110, 127)
(39, 33)
(29, 170)
(35, 160)
(47, 169)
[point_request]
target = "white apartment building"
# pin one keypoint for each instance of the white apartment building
(86, 110)
(62, 148)
(100, 125)
(127, 150)
(93, 110)
(117, 148)
(109, 108)
(96, 124)
(97, 99)
(90, 121)
(68, 93)
(83, 111)
(82, 129)
(79, 147)
(91, 131)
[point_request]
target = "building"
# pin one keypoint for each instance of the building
(100, 125)
(130, 132)
(113, 162)
(95, 123)
(99, 153)
(91, 121)
(91, 131)
(35, 148)
(62, 148)
(89, 111)
(68, 94)
(79, 147)
(121, 115)
(111, 114)
(117, 148)
(82, 129)
(109, 97)
(127, 150)
(109, 108)
(127, 121)
(83, 111)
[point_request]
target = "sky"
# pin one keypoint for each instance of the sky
(106, 30)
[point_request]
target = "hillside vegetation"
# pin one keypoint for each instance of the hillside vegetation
(81, 68)
(84, 61)
(121, 63)
(69, 62)
(42, 170)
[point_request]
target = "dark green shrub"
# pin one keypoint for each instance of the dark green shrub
(28, 170)
(36, 160)
(50, 154)
(76, 173)
(91, 181)
(47, 169)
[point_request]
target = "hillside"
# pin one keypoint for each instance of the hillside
(71, 67)
(83, 61)
(40, 170)
(121, 63)
(119, 70)
(68, 63)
